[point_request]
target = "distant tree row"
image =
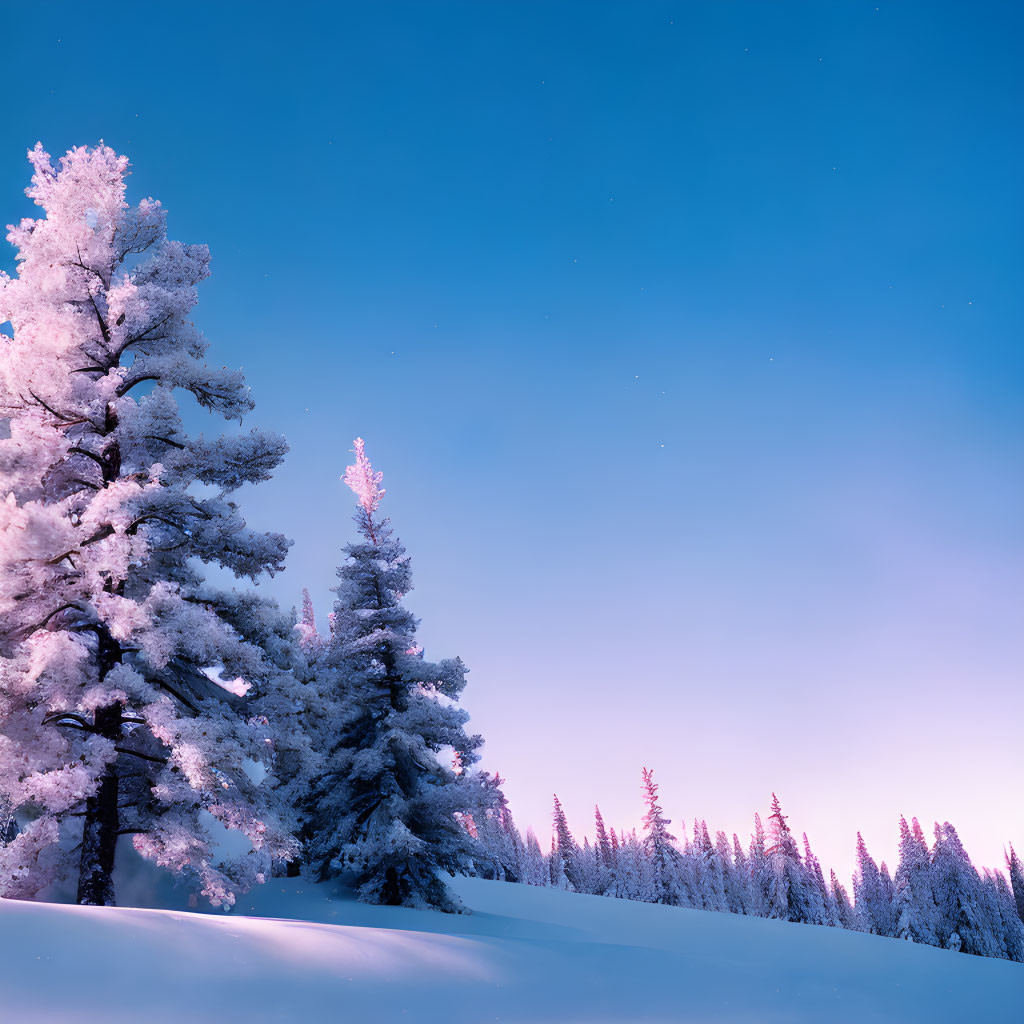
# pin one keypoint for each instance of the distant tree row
(936, 896)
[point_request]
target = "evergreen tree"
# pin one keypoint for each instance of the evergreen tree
(873, 904)
(568, 851)
(845, 911)
(1016, 869)
(759, 872)
(603, 843)
(502, 851)
(535, 870)
(786, 891)
(384, 809)
(957, 889)
(312, 642)
(116, 662)
(593, 875)
(1011, 925)
(659, 846)
(709, 871)
(822, 907)
(913, 901)
(733, 880)
(742, 875)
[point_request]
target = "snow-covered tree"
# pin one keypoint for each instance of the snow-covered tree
(603, 843)
(913, 902)
(659, 845)
(1016, 869)
(112, 719)
(759, 870)
(384, 808)
(956, 887)
(1006, 919)
(535, 871)
(496, 831)
(733, 876)
(742, 878)
(786, 890)
(845, 911)
(565, 844)
(311, 640)
(873, 903)
(708, 871)
(823, 909)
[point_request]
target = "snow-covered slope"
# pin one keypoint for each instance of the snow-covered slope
(525, 954)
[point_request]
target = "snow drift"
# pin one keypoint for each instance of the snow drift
(298, 952)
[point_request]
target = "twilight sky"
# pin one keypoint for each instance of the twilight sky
(687, 336)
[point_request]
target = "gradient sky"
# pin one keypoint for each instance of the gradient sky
(687, 336)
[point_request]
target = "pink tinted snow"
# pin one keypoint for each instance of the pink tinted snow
(362, 479)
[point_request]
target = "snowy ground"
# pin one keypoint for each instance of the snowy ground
(525, 954)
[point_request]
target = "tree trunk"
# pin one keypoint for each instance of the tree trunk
(102, 819)
(99, 841)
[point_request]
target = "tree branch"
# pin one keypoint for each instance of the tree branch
(145, 757)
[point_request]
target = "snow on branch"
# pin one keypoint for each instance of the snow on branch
(363, 481)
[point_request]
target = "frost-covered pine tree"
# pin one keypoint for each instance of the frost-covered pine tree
(759, 870)
(384, 809)
(822, 908)
(708, 871)
(999, 917)
(497, 832)
(310, 638)
(1010, 925)
(786, 889)
(913, 901)
(845, 911)
(733, 875)
(603, 843)
(535, 870)
(565, 844)
(872, 897)
(659, 846)
(741, 876)
(1016, 870)
(956, 886)
(112, 722)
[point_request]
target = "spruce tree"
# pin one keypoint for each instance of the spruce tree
(960, 923)
(496, 831)
(535, 871)
(603, 844)
(786, 889)
(873, 901)
(759, 873)
(568, 850)
(1016, 869)
(823, 908)
(116, 661)
(384, 809)
(913, 901)
(732, 875)
(741, 865)
(659, 846)
(845, 911)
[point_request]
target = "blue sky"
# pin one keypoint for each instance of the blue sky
(687, 336)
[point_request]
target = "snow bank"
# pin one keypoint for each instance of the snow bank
(307, 953)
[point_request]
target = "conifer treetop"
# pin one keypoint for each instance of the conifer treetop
(363, 481)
